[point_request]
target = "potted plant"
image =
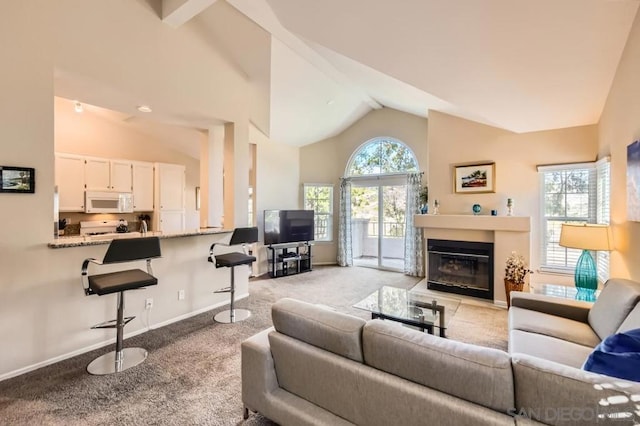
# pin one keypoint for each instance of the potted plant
(424, 200)
(515, 272)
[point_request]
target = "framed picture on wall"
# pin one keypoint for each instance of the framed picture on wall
(474, 178)
(17, 179)
(633, 181)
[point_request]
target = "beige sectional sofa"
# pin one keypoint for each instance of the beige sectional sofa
(321, 367)
(566, 331)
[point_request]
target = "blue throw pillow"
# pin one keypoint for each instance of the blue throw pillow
(617, 356)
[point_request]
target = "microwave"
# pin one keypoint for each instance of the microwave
(108, 202)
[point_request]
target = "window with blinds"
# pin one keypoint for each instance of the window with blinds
(574, 193)
(603, 212)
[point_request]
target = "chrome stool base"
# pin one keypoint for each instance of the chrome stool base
(235, 315)
(107, 363)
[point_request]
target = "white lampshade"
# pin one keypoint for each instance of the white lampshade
(586, 236)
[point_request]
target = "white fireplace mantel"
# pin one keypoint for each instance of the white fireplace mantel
(476, 223)
(507, 233)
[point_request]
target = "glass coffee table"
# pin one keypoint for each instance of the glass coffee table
(417, 310)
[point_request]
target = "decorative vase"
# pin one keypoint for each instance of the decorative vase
(436, 207)
(424, 208)
(477, 208)
(510, 286)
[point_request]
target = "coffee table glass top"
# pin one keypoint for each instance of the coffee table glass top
(410, 307)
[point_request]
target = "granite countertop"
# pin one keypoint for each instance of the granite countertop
(92, 240)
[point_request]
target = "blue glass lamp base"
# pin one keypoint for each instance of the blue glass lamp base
(586, 295)
(586, 278)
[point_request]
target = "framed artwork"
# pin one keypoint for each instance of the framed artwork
(474, 178)
(17, 179)
(633, 181)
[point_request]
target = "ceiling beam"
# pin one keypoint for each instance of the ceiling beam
(178, 12)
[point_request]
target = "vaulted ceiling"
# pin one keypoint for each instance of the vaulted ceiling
(319, 66)
(523, 66)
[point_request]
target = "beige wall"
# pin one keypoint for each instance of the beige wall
(451, 141)
(278, 181)
(454, 140)
(619, 127)
(43, 312)
(326, 161)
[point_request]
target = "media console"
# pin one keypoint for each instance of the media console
(289, 259)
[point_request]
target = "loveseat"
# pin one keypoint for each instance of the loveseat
(321, 367)
(566, 331)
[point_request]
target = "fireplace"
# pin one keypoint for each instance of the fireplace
(462, 267)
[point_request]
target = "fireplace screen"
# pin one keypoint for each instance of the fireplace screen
(462, 267)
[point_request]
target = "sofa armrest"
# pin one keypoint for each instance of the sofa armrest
(571, 309)
(258, 370)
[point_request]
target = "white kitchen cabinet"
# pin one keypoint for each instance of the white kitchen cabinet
(97, 174)
(69, 177)
(170, 183)
(121, 176)
(142, 186)
(171, 222)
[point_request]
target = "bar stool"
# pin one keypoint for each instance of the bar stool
(120, 251)
(231, 260)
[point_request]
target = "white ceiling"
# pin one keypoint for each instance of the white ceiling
(524, 65)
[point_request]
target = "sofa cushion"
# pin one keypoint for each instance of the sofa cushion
(547, 347)
(631, 322)
(476, 374)
(618, 356)
(567, 308)
(555, 394)
(616, 300)
(364, 395)
(318, 326)
(554, 326)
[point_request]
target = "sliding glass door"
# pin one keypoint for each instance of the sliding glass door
(378, 220)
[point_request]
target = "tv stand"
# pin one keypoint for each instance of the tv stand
(289, 259)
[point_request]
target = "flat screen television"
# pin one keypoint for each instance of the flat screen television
(288, 226)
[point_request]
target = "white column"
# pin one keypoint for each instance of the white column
(211, 178)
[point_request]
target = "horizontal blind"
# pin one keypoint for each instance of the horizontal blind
(568, 195)
(603, 170)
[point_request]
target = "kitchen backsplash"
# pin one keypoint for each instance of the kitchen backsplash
(73, 220)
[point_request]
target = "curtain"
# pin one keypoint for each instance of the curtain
(413, 237)
(345, 254)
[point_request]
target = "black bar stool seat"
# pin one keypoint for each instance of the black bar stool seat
(120, 251)
(231, 260)
(116, 282)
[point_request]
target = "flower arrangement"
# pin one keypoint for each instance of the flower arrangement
(424, 195)
(516, 269)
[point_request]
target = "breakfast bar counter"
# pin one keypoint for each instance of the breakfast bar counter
(186, 286)
(92, 240)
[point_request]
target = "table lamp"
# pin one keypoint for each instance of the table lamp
(586, 237)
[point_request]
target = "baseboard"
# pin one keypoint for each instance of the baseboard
(102, 344)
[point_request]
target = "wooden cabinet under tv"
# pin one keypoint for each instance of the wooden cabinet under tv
(289, 259)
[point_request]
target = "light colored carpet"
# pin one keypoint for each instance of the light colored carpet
(192, 375)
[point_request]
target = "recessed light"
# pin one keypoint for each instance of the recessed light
(144, 108)
(78, 107)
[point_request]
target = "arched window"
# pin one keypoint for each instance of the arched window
(381, 156)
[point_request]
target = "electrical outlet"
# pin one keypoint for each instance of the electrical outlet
(181, 295)
(148, 303)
